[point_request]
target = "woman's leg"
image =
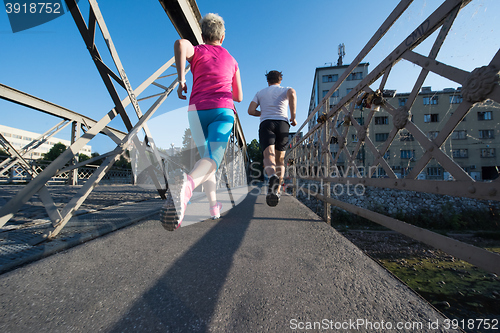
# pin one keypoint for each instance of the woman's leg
(203, 170)
(214, 129)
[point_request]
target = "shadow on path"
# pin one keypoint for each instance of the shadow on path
(185, 297)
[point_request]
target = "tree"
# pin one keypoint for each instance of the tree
(184, 155)
(124, 162)
(54, 152)
(83, 157)
(186, 139)
(256, 160)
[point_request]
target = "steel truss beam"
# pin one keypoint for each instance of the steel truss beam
(38, 184)
(60, 217)
(312, 151)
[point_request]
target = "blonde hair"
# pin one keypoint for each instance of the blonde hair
(212, 27)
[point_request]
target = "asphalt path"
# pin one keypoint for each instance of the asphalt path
(257, 269)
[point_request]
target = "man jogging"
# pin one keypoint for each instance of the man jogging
(273, 130)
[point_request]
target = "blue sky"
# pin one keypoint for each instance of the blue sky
(51, 61)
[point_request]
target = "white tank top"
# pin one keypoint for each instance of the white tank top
(273, 103)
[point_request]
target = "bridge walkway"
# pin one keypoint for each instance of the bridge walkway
(257, 269)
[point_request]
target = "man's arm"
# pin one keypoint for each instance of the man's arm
(252, 109)
(292, 103)
(183, 50)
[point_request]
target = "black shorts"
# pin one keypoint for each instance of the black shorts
(274, 132)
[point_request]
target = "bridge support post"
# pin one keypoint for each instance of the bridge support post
(326, 158)
(75, 134)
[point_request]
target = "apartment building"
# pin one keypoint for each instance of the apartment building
(473, 145)
(326, 77)
(19, 138)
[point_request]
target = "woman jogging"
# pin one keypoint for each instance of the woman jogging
(216, 84)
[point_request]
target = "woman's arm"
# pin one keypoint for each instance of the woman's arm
(252, 109)
(237, 89)
(183, 50)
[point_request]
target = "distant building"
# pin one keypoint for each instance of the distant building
(291, 135)
(473, 145)
(19, 138)
(325, 78)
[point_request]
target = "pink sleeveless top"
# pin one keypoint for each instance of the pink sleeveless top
(213, 69)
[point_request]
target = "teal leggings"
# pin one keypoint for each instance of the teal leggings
(211, 130)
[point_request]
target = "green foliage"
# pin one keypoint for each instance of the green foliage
(83, 157)
(123, 163)
(188, 147)
(186, 139)
(54, 152)
(98, 162)
(256, 160)
(468, 289)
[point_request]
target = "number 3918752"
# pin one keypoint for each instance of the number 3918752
(33, 8)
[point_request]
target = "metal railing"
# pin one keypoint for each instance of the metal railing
(16, 173)
(145, 148)
(314, 158)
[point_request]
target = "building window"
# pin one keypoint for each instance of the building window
(330, 78)
(459, 135)
(348, 90)
(487, 152)
(360, 120)
(381, 137)
(381, 120)
(431, 135)
(360, 156)
(387, 155)
(434, 171)
(431, 118)
(456, 99)
(355, 76)
(460, 153)
(405, 171)
(407, 154)
(402, 101)
(335, 94)
(430, 100)
(406, 136)
(486, 134)
(325, 92)
(15, 136)
(381, 172)
(485, 115)
(354, 138)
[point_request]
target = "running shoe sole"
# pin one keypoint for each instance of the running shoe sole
(169, 218)
(272, 199)
(175, 206)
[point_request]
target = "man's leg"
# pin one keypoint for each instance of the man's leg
(280, 166)
(272, 197)
(270, 160)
